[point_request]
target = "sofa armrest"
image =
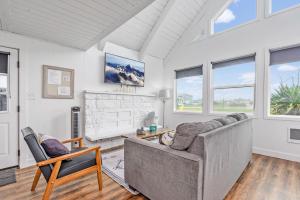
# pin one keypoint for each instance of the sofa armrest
(159, 172)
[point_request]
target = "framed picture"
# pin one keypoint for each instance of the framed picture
(58, 82)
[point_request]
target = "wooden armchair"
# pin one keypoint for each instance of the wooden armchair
(58, 171)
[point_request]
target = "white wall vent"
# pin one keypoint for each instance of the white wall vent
(294, 135)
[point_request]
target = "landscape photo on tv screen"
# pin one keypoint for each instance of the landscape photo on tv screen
(124, 71)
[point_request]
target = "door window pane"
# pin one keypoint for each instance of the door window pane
(234, 100)
(3, 83)
(189, 90)
(3, 102)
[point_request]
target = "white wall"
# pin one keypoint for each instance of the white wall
(52, 116)
(270, 136)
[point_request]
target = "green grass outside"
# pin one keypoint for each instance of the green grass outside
(217, 108)
(189, 108)
(227, 109)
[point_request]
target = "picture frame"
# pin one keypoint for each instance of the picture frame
(58, 82)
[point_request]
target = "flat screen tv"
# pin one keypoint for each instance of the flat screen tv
(124, 71)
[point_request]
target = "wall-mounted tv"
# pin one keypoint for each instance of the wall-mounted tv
(124, 71)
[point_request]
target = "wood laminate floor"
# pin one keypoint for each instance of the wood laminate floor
(266, 179)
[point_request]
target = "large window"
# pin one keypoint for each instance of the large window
(237, 13)
(284, 81)
(233, 84)
(189, 89)
(278, 5)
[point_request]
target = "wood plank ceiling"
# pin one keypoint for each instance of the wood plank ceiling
(151, 27)
(73, 23)
(156, 29)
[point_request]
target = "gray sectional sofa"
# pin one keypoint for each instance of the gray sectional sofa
(207, 170)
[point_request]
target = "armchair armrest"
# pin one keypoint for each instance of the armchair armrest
(68, 156)
(78, 139)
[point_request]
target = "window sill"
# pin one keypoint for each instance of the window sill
(222, 114)
(187, 113)
(282, 118)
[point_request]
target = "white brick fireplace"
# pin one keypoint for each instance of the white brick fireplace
(113, 114)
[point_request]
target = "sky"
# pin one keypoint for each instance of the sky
(116, 59)
(284, 73)
(190, 85)
(278, 5)
(238, 12)
(242, 11)
(239, 74)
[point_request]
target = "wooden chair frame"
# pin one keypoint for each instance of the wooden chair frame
(54, 181)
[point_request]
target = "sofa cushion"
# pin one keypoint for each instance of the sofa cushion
(211, 125)
(226, 120)
(52, 146)
(185, 134)
(238, 116)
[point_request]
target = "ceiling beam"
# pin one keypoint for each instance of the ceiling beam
(105, 33)
(155, 30)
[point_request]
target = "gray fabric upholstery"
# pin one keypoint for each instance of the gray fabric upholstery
(238, 116)
(185, 134)
(162, 173)
(226, 120)
(211, 125)
(206, 171)
(36, 150)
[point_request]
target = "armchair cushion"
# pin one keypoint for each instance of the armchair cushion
(77, 163)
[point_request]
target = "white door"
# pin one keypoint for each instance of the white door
(8, 107)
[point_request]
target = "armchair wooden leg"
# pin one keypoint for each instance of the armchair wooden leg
(51, 181)
(99, 169)
(36, 179)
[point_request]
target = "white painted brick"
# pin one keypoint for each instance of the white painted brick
(90, 96)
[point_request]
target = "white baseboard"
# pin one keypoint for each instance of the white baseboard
(27, 163)
(277, 154)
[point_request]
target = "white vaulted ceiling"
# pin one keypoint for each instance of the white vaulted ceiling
(157, 28)
(152, 27)
(133, 33)
(74, 23)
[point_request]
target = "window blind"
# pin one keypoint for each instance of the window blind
(3, 63)
(193, 71)
(235, 61)
(287, 55)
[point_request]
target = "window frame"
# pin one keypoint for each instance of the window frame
(267, 88)
(212, 88)
(175, 111)
(269, 12)
(212, 21)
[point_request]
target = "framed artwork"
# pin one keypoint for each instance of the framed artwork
(58, 82)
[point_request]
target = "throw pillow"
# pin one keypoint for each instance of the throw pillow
(211, 125)
(226, 120)
(238, 116)
(167, 138)
(52, 146)
(185, 135)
